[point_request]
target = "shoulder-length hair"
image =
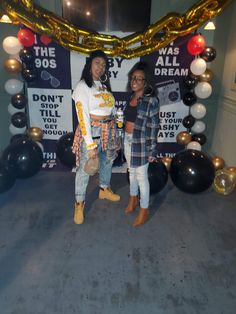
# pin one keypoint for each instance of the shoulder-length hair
(145, 68)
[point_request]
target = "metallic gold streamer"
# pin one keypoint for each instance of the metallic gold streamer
(135, 45)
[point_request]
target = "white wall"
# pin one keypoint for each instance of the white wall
(224, 143)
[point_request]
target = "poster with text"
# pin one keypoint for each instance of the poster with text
(51, 108)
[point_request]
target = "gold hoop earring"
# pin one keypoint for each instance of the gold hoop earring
(105, 78)
(148, 90)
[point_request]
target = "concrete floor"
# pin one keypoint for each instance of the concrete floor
(182, 261)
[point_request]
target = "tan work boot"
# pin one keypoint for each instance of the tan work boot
(108, 194)
(79, 213)
(133, 202)
(142, 217)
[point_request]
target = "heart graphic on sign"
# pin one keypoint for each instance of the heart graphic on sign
(45, 40)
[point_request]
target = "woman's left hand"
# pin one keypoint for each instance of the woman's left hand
(152, 159)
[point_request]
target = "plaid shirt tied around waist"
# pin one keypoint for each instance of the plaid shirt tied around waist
(105, 125)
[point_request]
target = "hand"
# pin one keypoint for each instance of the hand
(92, 153)
(152, 159)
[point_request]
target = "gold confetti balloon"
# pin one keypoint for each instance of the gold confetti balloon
(224, 182)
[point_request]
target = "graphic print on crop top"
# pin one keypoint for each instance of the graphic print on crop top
(107, 99)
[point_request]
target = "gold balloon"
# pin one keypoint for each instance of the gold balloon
(231, 169)
(218, 162)
(183, 138)
(167, 162)
(168, 28)
(207, 76)
(12, 65)
(224, 183)
(35, 134)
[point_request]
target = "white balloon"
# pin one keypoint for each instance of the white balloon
(11, 45)
(198, 66)
(13, 130)
(198, 111)
(194, 145)
(13, 86)
(203, 90)
(13, 110)
(40, 145)
(198, 127)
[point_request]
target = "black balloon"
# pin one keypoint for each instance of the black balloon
(27, 55)
(192, 171)
(29, 74)
(23, 157)
(208, 54)
(7, 177)
(157, 176)
(200, 138)
(19, 119)
(188, 121)
(190, 81)
(18, 137)
(64, 150)
(19, 101)
(189, 99)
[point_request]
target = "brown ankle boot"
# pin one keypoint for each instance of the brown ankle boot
(79, 213)
(133, 202)
(142, 217)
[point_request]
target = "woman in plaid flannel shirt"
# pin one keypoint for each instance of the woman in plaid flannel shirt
(140, 141)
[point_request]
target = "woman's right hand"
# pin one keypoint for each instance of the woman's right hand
(92, 153)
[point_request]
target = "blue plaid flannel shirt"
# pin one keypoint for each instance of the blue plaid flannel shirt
(145, 132)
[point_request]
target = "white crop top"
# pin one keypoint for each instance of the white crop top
(94, 100)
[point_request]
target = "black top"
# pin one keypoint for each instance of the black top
(130, 113)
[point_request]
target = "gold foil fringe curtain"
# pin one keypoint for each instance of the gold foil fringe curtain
(135, 45)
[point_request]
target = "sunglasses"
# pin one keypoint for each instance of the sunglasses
(45, 75)
(137, 79)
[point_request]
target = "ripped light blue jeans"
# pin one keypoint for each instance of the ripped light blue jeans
(106, 159)
(138, 176)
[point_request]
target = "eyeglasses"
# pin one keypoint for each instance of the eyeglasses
(137, 79)
(45, 75)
